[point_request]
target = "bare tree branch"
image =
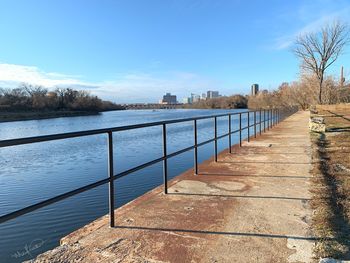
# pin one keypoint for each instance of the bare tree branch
(318, 51)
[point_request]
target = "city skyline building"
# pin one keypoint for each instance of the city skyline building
(195, 98)
(186, 100)
(168, 99)
(254, 89)
(212, 94)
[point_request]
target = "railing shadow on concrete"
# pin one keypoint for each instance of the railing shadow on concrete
(225, 233)
(259, 162)
(244, 196)
(255, 175)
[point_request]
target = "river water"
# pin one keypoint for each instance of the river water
(35, 172)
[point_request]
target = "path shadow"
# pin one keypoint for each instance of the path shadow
(256, 175)
(339, 115)
(258, 162)
(263, 153)
(245, 196)
(275, 146)
(338, 129)
(207, 232)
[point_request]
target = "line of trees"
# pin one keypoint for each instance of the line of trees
(316, 51)
(35, 98)
(224, 102)
(302, 93)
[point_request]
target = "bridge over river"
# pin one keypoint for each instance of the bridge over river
(148, 106)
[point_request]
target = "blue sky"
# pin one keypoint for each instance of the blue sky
(134, 51)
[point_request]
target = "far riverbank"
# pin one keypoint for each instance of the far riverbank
(38, 115)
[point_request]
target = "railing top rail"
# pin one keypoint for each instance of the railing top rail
(59, 136)
(112, 176)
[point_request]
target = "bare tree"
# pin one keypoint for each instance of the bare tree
(318, 51)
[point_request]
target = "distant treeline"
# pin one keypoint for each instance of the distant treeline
(224, 102)
(302, 93)
(36, 98)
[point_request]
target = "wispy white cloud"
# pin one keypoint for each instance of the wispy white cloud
(312, 25)
(12, 73)
(135, 87)
(141, 87)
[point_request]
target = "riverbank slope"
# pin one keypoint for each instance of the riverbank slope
(38, 115)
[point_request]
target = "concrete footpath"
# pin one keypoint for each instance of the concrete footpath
(250, 206)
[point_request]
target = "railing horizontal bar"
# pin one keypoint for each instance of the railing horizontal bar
(170, 155)
(235, 131)
(93, 185)
(43, 138)
(117, 176)
(222, 136)
(205, 142)
(137, 168)
(124, 173)
(52, 200)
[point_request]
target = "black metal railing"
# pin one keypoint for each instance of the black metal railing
(267, 119)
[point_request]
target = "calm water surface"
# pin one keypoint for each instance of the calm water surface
(35, 172)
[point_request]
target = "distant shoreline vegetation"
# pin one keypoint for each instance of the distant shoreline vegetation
(29, 102)
(38, 115)
(224, 102)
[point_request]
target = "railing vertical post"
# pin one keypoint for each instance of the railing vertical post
(271, 118)
(111, 181)
(248, 126)
(260, 121)
(282, 114)
(264, 120)
(268, 119)
(165, 161)
(229, 132)
(240, 129)
(279, 115)
(215, 137)
(195, 148)
(276, 116)
(254, 124)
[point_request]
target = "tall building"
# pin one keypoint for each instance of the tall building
(195, 98)
(255, 89)
(342, 79)
(168, 99)
(186, 100)
(212, 94)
